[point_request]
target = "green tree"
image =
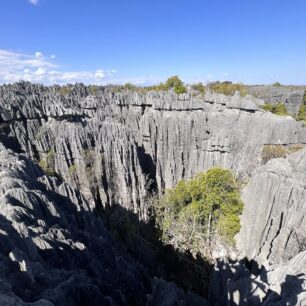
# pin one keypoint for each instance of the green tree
(176, 84)
(199, 87)
(129, 86)
(228, 88)
(199, 210)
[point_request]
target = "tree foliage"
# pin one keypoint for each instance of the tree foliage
(228, 88)
(174, 83)
(199, 87)
(199, 210)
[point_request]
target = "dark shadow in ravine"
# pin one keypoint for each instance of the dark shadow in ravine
(220, 283)
(70, 258)
(142, 240)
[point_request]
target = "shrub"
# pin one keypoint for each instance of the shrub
(228, 88)
(267, 107)
(173, 82)
(273, 151)
(278, 151)
(93, 90)
(72, 169)
(199, 87)
(301, 116)
(180, 90)
(276, 84)
(195, 211)
(176, 84)
(47, 163)
(277, 109)
(130, 86)
(64, 90)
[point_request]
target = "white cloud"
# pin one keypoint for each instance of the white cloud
(38, 54)
(225, 74)
(34, 1)
(17, 66)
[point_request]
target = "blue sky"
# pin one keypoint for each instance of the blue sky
(145, 41)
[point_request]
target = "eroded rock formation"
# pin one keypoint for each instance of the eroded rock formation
(103, 146)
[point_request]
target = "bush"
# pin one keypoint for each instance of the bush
(278, 151)
(272, 151)
(176, 84)
(301, 116)
(130, 86)
(65, 90)
(72, 169)
(277, 109)
(228, 88)
(173, 82)
(276, 84)
(47, 163)
(199, 87)
(198, 210)
(93, 90)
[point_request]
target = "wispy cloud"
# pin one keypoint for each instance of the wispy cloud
(37, 67)
(34, 1)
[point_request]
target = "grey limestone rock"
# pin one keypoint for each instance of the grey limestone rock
(107, 146)
(292, 97)
(53, 250)
(113, 144)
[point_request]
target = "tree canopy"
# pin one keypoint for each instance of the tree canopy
(203, 208)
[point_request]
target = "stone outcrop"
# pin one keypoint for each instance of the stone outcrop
(100, 146)
(54, 251)
(273, 222)
(114, 144)
(273, 229)
(293, 98)
(272, 239)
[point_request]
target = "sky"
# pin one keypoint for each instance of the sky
(146, 41)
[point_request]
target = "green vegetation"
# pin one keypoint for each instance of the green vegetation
(272, 151)
(130, 86)
(277, 84)
(72, 169)
(277, 109)
(197, 211)
(228, 88)
(177, 84)
(93, 89)
(89, 158)
(278, 151)
(64, 90)
(173, 82)
(301, 116)
(47, 163)
(199, 87)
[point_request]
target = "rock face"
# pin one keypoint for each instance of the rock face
(53, 250)
(292, 98)
(273, 227)
(100, 146)
(274, 211)
(114, 145)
